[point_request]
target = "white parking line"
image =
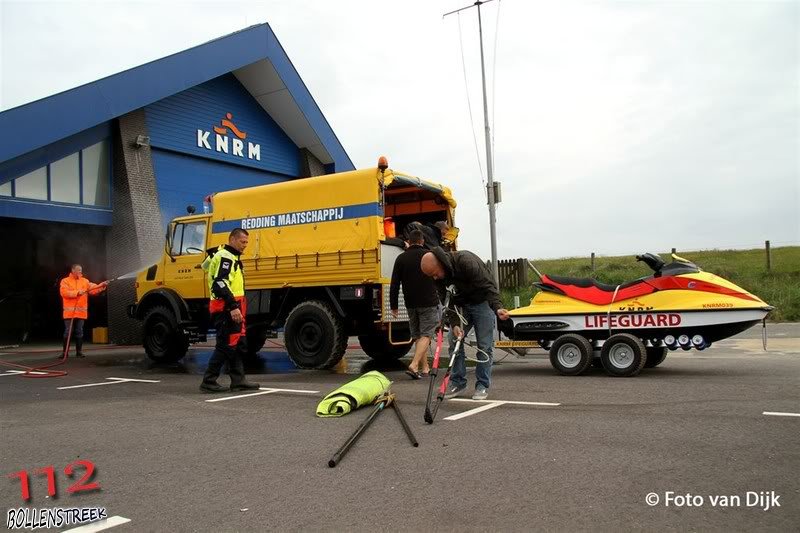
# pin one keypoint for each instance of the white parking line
(514, 402)
(486, 407)
(18, 372)
(263, 390)
(100, 525)
(774, 413)
(491, 404)
(115, 381)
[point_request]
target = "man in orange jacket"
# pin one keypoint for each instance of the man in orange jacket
(75, 291)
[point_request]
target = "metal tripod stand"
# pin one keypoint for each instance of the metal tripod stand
(387, 399)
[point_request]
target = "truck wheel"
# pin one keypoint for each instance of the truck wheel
(314, 335)
(256, 337)
(655, 356)
(162, 339)
(378, 347)
(623, 355)
(571, 354)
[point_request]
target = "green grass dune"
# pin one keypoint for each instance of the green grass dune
(780, 286)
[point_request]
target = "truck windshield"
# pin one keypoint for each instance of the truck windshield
(189, 238)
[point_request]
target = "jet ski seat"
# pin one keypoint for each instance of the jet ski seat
(592, 291)
(589, 282)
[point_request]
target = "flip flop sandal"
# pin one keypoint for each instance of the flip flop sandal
(413, 375)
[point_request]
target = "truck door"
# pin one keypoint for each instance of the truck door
(187, 245)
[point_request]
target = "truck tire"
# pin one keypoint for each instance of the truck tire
(571, 354)
(378, 347)
(623, 355)
(655, 356)
(314, 335)
(162, 339)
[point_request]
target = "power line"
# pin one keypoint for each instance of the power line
(469, 104)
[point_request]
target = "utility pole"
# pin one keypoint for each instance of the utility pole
(489, 161)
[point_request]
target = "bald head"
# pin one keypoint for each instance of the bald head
(431, 266)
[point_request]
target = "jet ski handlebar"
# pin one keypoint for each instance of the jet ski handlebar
(652, 260)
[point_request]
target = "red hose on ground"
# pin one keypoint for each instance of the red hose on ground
(42, 370)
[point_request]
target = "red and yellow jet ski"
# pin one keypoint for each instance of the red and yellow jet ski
(633, 325)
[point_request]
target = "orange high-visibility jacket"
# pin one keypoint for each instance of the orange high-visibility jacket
(76, 306)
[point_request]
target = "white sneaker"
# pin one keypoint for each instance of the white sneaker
(480, 393)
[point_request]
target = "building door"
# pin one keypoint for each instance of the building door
(36, 255)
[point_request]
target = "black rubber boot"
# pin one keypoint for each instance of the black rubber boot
(245, 385)
(63, 349)
(212, 386)
(79, 347)
(236, 370)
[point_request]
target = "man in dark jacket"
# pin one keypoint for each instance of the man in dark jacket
(421, 300)
(477, 295)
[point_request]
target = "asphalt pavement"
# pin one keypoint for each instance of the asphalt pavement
(704, 442)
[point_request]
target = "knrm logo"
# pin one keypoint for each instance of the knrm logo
(224, 144)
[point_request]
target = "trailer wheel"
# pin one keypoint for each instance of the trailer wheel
(162, 339)
(377, 346)
(623, 355)
(655, 356)
(314, 335)
(571, 354)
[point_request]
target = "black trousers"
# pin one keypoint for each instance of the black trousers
(231, 347)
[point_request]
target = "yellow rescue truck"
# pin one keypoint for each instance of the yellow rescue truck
(318, 265)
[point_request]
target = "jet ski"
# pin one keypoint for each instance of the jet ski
(635, 324)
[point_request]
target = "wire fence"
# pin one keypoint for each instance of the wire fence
(513, 273)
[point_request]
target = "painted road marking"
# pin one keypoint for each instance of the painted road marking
(774, 413)
(18, 372)
(115, 381)
(262, 390)
(513, 402)
(491, 404)
(485, 407)
(100, 525)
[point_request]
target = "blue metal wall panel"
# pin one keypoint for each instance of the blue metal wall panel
(182, 180)
(173, 124)
(31, 209)
(53, 152)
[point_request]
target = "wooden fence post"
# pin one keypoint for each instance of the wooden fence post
(521, 272)
(769, 257)
(592, 262)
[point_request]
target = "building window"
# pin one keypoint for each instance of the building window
(80, 178)
(95, 170)
(32, 185)
(65, 179)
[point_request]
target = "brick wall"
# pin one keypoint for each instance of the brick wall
(311, 166)
(136, 238)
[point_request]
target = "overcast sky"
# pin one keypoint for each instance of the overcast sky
(619, 127)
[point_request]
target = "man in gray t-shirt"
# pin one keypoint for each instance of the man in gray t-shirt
(421, 298)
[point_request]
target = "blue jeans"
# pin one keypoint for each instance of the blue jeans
(77, 328)
(483, 319)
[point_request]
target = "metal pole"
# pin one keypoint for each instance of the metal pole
(489, 162)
